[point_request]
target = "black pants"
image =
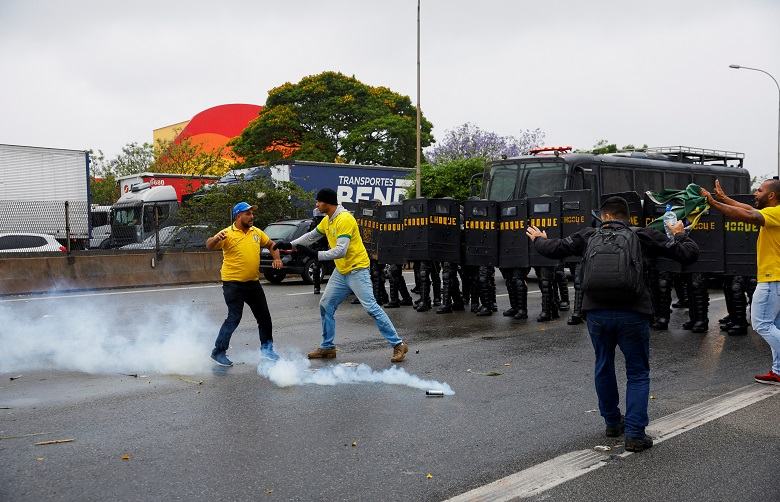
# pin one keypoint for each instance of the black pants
(236, 295)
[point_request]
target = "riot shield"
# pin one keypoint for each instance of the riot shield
(576, 214)
(545, 213)
(512, 241)
(367, 216)
(740, 241)
(390, 248)
(710, 234)
(480, 220)
(432, 229)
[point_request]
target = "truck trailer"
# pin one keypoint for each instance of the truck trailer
(45, 190)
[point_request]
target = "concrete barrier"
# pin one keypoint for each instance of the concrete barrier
(84, 271)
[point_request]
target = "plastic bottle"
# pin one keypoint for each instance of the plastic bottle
(670, 218)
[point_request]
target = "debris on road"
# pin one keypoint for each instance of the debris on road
(492, 373)
(26, 435)
(56, 441)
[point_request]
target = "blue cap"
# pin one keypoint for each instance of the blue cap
(241, 207)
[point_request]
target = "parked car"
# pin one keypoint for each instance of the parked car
(190, 238)
(101, 236)
(23, 242)
(293, 263)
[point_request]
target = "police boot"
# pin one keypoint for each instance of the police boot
(702, 306)
(521, 293)
(563, 288)
(393, 303)
(739, 325)
(576, 313)
(436, 293)
(446, 284)
(548, 299)
(511, 290)
(486, 300)
(424, 304)
(663, 300)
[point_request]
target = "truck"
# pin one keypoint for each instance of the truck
(46, 191)
(141, 212)
(352, 182)
(184, 184)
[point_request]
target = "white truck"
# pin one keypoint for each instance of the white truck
(46, 191)
(140, 212)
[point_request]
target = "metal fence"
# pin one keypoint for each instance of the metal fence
(66, 221)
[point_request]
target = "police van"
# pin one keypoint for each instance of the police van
(549, 170)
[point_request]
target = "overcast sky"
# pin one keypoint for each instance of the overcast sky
(81, 74)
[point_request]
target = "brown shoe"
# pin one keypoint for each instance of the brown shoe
(399, 352)
(321, 353)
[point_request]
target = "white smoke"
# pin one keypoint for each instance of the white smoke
(81, 338)
(296, 371)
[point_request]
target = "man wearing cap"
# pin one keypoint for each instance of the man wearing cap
(351, 274)
(240, 244)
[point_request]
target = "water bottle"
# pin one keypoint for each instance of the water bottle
(670, 218)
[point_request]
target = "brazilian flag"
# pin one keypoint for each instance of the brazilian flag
(688, 205)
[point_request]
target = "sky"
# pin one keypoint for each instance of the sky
(82, 74)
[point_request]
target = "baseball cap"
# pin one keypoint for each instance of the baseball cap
(241, 207)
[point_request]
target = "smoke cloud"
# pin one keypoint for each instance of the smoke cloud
(296, 371)
(78, 337)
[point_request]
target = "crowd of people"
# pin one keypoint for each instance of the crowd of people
(615, 317)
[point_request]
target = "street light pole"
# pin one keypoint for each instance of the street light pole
(418, 100)
(738, 67)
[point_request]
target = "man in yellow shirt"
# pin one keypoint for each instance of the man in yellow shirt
(240, 244)
(351, 274)
(765, 309)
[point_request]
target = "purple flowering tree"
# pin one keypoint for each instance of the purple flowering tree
(469, 141)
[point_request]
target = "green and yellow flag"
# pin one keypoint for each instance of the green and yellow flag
(687, 203)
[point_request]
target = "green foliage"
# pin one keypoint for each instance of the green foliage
(334, 118)
(447, 179)
(103, 189)
(275, 201)
(187, 157)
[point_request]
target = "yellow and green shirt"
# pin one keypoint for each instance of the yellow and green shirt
(241, 253)
(344, 225)
(768, 246)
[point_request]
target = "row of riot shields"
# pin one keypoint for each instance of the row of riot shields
(491, 233)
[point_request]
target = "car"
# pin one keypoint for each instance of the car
(189, 238)
(293, 262)
(23, 242)
(100, 237)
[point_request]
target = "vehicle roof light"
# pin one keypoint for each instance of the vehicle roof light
(556, 149)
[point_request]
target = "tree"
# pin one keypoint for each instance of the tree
(469, 141)
(463, 153)
(333, 118)
(103, 189)
(603, 146)
(186, 157)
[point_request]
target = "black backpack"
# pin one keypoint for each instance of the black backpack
(612, 266)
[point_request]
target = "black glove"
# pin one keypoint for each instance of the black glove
(282, 245)
(307, 251)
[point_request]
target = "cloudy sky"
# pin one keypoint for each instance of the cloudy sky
(82, 74)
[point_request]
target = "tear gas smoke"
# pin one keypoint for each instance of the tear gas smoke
(288, 372)
(76, 336)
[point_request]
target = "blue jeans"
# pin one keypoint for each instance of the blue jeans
(236, 294)
(631, 332)
(765, 317)
(338, 288)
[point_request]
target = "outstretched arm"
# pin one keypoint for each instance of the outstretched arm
(742, 212)
(726, 199)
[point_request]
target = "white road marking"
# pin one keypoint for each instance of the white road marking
(544, 476)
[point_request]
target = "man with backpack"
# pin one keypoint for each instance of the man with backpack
(618, 307)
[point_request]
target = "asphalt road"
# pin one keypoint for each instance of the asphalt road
(125, 374)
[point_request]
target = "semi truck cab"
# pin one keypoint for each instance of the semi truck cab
(141, 212)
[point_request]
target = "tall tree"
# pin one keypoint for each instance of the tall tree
(469, 141)
(463, 153)
(334, 118)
